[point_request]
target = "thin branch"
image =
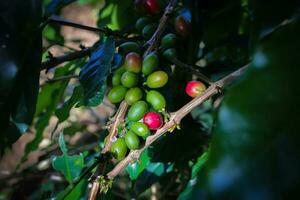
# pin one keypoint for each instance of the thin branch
(94, 190)
(59, 20)
(232, 77)
(152, 43)
(62, 78)
(54, 61)
(197, 72)
(175, 119)
(118, 119)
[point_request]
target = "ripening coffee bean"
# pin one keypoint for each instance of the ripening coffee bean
(150, 63)
(141, 23)
(119, 148)
(129, 79)
(157, 79)
(117, 94)
(133, 62)
(169, 53)
(156, 100)
(140, 129)
(116, 79)
(168, 41)
(182, 26)
(137, 111)
(133, 95)
(128, 47)
(132, 140)
(149, 30)
(195, 88)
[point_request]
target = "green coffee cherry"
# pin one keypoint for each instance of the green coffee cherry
(133, 95)
(120, 70)
(132, 141)
(119, 148)
(150, 63)
(157, 79)
(169, 53)
(149, 30)
(156, 100)
(128, 47)
(117, 94)
(140, 129)
(141, 23)
(129, 79)
(168, 41)
(116, 79)
(137, 111)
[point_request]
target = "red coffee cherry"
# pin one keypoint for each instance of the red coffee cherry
(152, 7)
(195, 88)
(182, 26)
(153, 120)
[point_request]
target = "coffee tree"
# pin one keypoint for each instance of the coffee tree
(205, 96)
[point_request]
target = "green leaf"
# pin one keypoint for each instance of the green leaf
(187, 193)
(70, 166)
(64, 112)
(49, 97)
(77, 192)
(136, 168)
(114, 14)
(255, 147)
(94, 74)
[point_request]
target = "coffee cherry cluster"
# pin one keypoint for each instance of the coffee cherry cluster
(136, 82)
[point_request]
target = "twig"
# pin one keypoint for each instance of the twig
(192, 69)
(62, 78)
(59, 20)
(54, 61)
(161, 27)
(94, 190)
(118, 119)
(175, 119)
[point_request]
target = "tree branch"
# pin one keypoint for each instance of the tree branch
(62, 78)
(118, 119)
(161, 27)
(197, 72)
(59, 20)
(175, 119)
(94, 190)
(54, 61)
